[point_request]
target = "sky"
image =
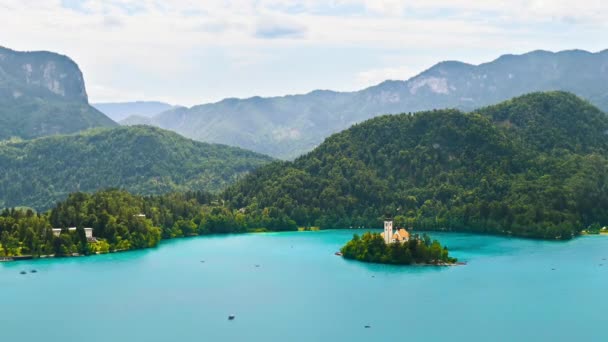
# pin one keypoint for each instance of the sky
(190, 52)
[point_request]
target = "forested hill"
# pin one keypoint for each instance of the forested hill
(43, 93)
(143, 160)
(552, 121)
(534, 166)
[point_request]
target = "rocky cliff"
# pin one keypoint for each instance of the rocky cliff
(43, 93)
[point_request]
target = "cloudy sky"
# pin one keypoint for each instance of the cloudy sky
(190, 52)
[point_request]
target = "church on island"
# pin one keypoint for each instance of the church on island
(400, 235)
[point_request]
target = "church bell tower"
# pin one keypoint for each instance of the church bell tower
(388, 230)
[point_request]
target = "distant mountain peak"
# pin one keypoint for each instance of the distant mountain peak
(451, 65)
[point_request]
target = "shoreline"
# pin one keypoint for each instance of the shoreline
(7, 259)
(53, 256)
(457, 263)
(585, 233)
(441, 264)
(11, 259)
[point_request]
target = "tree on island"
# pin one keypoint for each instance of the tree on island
(370, 247)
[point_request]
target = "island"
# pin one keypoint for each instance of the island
(398, 248)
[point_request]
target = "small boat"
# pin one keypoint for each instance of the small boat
(23, 272)
(33, 271)
(231, 317)
(368, 326)
(338, 253)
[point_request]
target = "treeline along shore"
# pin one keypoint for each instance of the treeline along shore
(122, 221)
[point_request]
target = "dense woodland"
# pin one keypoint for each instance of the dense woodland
(535, 166)
(143, 160)
(370, 247)
(118, 224)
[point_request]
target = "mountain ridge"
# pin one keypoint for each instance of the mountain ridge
(286, 126)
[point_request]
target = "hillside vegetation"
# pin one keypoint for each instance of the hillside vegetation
(123, 221)
(533, 166)
(143, 160)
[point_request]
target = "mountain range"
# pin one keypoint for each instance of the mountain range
(43, 93)
(534, 166)
(287, 126)
(118, 111)
(144, 160)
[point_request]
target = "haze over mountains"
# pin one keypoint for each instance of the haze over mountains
(118, 111)
(43, 93)
(288, 126)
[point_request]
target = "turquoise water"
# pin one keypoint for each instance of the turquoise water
(302, 292)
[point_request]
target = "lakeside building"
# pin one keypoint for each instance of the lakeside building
(400, 235)
(88, 232)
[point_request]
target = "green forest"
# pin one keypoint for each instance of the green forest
(370, 247)
(29, 118)
(144, 160)
(534, 166)
(123, 221)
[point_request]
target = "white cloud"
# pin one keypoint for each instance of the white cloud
(276, 28)
(150, 44)
(386, 7)
(112, 22)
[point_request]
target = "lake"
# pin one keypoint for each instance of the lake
(510, 290)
